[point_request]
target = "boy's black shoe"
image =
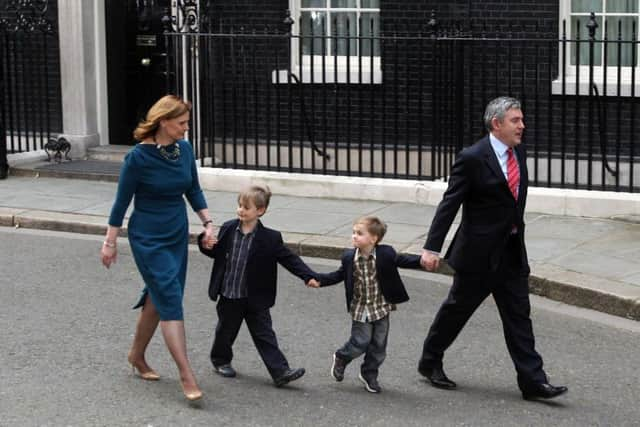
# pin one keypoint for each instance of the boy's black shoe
(225, 370)
(371, 384)
(337, 367)
(288, 376)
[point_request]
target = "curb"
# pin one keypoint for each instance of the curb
(584, 297)
(313, 246)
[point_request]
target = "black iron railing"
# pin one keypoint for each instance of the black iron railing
(262, 103)
(29, 102)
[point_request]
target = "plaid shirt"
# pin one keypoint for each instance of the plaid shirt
(234, 285)
(368, 304)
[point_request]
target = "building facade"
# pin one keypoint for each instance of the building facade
(360, 87)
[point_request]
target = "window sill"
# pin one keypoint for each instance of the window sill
(330, 76)
(572, 89)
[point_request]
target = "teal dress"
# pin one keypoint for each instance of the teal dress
(158, 228)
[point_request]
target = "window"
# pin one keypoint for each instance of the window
(617, 20)
(339, 37)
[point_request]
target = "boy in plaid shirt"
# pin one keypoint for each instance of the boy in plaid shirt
(373, 287)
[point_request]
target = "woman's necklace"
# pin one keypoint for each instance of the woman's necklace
(172, 155)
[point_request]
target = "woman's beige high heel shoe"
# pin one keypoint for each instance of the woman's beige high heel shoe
(192, 396)
(148, 376)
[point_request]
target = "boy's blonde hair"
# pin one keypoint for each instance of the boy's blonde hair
(374, 226)
(259, 195)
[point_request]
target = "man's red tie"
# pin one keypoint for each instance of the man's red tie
(513, 174)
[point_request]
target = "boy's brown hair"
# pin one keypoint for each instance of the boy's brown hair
(374, 226)
(259, 195)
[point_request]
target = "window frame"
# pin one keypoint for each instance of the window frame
(337, 68)
(572, 72)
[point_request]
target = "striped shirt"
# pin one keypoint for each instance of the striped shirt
(234, 285)
(368, 304)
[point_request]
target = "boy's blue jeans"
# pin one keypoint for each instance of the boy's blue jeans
(370, 339)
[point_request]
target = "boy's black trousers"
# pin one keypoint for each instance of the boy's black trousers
(231, 313)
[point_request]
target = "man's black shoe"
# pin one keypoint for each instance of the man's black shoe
(225, 370)
(4, 171)
(437, 377)
(543, 391)
(371, 384)
(288, 376)
(337, 367)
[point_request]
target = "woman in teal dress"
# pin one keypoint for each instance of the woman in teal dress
(156, 173)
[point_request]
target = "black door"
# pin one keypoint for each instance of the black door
(135, 63)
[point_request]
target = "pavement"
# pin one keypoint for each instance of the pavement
(582, 261)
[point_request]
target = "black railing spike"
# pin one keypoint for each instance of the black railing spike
(288, 21)
(166, 20)
(592, 25)
(432, 24)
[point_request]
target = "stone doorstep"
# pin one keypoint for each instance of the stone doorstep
(541, 283)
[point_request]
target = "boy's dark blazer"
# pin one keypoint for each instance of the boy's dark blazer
(387, 263)
(267, 250)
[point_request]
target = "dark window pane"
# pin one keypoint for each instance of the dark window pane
(312, 24)
(625, 24)
(344, 3)
(580, 6)
(624, 6)
(370, 27)
(314, 3)
(580, 28)
(344, 24)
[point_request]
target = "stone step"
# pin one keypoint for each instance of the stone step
(108, 153)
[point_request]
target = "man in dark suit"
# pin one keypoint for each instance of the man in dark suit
(488, 254)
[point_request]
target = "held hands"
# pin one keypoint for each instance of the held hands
(429, 261)
(209, 239)
(313, 283)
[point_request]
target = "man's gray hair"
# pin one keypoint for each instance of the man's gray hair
(498, 107)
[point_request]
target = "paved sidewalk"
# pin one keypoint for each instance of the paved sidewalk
(586, 262)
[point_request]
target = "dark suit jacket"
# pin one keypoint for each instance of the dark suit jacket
(489, 211)
(267, 250)
(387, 263)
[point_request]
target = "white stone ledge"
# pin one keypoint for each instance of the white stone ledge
(17, 159)
(599, 204)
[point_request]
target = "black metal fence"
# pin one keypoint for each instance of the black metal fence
(30, 102)
(268, 101)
